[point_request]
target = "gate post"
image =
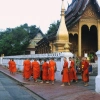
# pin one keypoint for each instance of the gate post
(97, 79)
(1, 60)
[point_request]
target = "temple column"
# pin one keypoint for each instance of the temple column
(79, 40)
(51, 47)
(98, 34)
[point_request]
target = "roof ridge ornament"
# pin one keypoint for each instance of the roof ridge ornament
(68, 3)
(62, 7)
(62, 37)
(62, 32)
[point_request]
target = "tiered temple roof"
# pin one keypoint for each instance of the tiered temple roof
(72, 15)
(76, 9)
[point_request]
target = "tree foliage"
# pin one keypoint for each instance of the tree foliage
(14, 41)
(53, 27)
(32, 30)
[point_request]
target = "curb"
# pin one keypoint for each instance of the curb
(22, 84)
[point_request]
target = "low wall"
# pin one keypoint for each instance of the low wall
(58, 57)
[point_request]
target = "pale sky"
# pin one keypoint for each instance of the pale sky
(41, 13)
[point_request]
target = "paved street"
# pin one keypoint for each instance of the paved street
(11, 90)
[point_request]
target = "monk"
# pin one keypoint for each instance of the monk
(73, 76)
(27, 69)
(36, 70)
(9, 65)
(85, 72)
(52, 68)
(41, 72)
(65, 73)
(13, 67)
(45, 72)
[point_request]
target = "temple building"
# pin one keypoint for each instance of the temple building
(33, 42)
(82, 19)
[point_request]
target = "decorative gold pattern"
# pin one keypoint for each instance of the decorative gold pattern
(89, 12)
(74, 29)
(89, 20)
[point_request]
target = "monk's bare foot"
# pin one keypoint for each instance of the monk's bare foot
(62, 85)
(76, 81)
(41, 82)
(35, 81)
(86, 84)
(52, 83)
(47, 82)
(68, 83)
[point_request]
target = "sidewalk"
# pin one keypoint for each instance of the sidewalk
(76, 91)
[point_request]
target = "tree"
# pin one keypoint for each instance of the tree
(53, 28)
(14, 42)
(32, 30)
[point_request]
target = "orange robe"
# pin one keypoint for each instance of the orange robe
(36, 69)
(27, 69)
(72, 71)
(65, 76)
(85, 72)
(13, 66)
(9, 63)
(45, 71)
(52, 66)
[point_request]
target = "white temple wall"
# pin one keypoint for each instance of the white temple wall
(58, 57)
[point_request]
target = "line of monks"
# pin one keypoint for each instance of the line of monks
(69, 72)
(46, 70)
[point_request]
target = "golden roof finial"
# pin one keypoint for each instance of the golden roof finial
(62, 37)
(62, 7)
(62, 33)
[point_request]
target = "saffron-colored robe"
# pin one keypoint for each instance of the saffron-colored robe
(85, 72)
(13, 67)
(72, 71)
(45, 71)
(27, 69)
(36, 69)
(65, 76)
(52, 66)
(9, 65)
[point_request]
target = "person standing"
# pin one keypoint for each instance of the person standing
(52, 69)
(85, 71)
(65, 73)
(13, 67)
(27, 69)
(45, 72)
(36, 70)
(41, 62)
(73, 76)
(9, 65)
